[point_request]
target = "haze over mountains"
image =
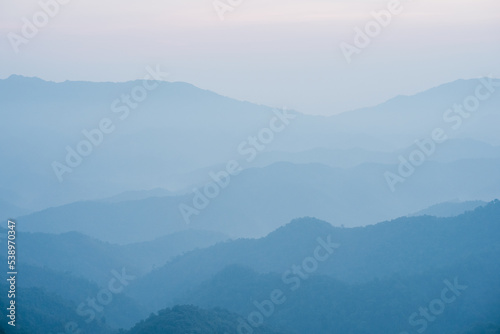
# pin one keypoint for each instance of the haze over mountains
(180, 134)
(363, 253)
(179, 129)
(370, 278)
(260, 200)
(192, 211)
(250, 167)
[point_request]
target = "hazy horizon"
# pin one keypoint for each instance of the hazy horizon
(299, 111)
(280, 53)
(250, 167)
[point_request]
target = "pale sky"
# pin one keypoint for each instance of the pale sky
(274, 52)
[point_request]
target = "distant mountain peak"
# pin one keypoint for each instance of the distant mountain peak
(22, 77)
(304, 225)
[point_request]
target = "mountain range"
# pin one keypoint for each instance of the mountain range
(179, 129)
(351, 280)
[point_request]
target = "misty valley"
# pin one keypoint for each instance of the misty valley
(199, 213)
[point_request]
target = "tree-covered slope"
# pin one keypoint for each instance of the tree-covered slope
(406, 246)
(188, 319)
